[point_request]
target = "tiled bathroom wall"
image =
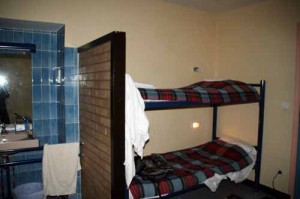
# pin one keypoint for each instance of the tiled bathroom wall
(48, 56)
(55, 105)
(69, 105)
(69, 100)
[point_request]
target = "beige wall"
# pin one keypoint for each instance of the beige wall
(259, 42)
(165, 41)
(152, 29)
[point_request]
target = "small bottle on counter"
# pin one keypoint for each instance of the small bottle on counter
(26, 124)
(18, 122)
(30, 133)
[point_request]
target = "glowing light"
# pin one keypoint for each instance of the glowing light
(195, 125)
(3, 80)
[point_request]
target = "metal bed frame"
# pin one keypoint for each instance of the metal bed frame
(166, 105)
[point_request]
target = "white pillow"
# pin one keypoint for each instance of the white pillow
(142, 85)
(247, 147)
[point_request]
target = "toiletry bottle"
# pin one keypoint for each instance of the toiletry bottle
(19, 120)
(30, 133)
(26, 124)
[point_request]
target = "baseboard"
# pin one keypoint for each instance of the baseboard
(273, 192)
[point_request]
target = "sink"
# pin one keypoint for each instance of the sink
(18, 140)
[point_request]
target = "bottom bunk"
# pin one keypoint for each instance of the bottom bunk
(168, 173)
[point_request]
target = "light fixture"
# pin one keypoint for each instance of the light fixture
(195, 125)
(18, 46)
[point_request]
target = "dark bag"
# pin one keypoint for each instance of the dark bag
(152, 168)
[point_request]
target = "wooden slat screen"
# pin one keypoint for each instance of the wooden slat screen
(102, 110)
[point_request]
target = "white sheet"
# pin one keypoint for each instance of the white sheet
(136, 127)
(239, 176)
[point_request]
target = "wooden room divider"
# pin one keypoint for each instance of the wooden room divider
(101, 79)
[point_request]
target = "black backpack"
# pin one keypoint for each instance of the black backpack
(152, 167)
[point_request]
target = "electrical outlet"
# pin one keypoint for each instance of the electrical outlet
(279, 172)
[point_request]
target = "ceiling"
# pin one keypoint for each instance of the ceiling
(214, 6)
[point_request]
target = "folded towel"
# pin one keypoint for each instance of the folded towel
(60, 166)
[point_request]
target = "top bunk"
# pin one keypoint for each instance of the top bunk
(203, 94)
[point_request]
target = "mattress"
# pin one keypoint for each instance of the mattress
(207, 164)
(206, 93)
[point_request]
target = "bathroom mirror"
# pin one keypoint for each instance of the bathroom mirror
(15, 87)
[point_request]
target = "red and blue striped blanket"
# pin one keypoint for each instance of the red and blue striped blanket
(206, 93)
(191, 167)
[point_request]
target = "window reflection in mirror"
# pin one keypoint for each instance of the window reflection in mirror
(15, 87)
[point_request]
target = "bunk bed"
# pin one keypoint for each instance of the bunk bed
(202, 94)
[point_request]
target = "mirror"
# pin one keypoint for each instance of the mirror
(15, 87)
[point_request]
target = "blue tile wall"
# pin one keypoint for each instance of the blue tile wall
(55, 106)
(8, 35)
(45, 113)
(71, 96)
(70, 106)
(45, 103)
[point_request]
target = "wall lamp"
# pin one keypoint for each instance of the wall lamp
(195, 125)
(18, 46)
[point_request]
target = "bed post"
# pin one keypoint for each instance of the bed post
(118, 69)
(214, 127)
(260, 133)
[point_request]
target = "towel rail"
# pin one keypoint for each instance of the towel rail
(14, 151)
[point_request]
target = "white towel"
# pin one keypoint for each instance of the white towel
(60, 166)
(136, 127)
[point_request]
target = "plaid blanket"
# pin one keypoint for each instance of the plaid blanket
(192, 167)
(206, 93)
